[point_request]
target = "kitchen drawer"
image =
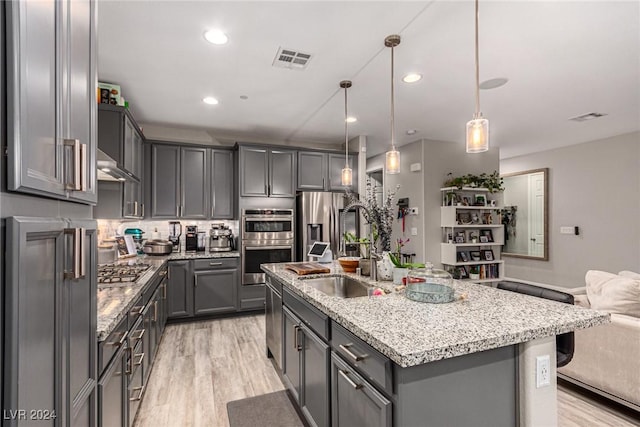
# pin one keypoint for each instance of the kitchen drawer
(110, 346)
(311, 316)
(275, 284)
(368, 361)
(136, 333)
(215, 263)
(135, 312)
(135, 390)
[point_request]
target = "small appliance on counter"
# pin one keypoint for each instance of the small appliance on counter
(157, 247)
(220, 238)
(175, 231)
(191, 238)
(136, 233)
(202, 241)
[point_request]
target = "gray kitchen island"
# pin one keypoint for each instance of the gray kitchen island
(389, 361)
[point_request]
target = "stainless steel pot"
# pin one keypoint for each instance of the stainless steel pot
(157, 247)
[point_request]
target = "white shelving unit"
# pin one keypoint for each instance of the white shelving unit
(472, 234)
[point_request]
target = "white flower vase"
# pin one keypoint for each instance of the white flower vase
(399, 273)
(385, 267)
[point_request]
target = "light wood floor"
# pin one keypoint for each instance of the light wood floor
(201, 366)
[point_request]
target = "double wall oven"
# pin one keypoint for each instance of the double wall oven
(267, 236)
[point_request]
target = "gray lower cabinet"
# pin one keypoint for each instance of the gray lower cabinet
(267, 172)
(180, 289)
(306, 368)
(215, 291)
(354, 401)
(318, 171)
(51, 98)
(50, 358)
(112, 388)
(273, 320)
(201, 287)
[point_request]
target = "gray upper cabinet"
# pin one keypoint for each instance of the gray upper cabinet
(191, 182)
(323, 171)
(312, 171)
(165, 181)
(222, 184)
(51, 97)
(267, 172)
(194, 183)
(336, 164)
(51, 320)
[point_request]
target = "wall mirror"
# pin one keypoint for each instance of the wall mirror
(525, 214)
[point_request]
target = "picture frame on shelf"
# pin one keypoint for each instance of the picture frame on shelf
(475, 255)
(487, 218)
(488, 234)
(461, 273)
(480, 200)
(484, 239)
(487, 255)
(463, 256)
(464, 218)
(460, 237)
(473, 236)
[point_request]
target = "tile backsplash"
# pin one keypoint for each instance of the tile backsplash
(110, 228)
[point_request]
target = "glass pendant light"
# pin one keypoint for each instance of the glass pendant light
(478, 128)
(347, 173)
(392, 158)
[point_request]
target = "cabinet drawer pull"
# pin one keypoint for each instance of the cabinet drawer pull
(296, 342)
(137, 310)
(164, 289)
(140, 359)
(213, 264)
(349, 380)
(138, 337)
(128, 369)
(120, 341)
(155, 311)
(139, 396)
(355, 357)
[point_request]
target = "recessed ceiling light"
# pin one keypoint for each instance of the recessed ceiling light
(351, 119)
(244, 97)
(412, 78)
(494, 83)
(411, 131)
(210, 100)
(216, 37)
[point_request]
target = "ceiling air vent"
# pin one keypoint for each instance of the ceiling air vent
(585, 117)
(289, 58)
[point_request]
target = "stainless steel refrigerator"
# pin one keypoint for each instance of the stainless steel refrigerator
(319, 219)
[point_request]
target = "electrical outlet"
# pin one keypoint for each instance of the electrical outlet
(543, 371)
(414, 231)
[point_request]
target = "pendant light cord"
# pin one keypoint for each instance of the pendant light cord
(393, 140)
(477, 66)
(346, 130)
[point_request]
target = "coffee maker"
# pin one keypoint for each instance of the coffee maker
(175, 231)
(191, 238)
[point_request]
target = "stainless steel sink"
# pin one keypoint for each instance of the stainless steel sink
(338, 286)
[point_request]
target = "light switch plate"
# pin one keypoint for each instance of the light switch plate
(566, 230)
(414, 231)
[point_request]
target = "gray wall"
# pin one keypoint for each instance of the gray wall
(436, 159)
(596, 186)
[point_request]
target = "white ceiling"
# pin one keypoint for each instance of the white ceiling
(562, 58)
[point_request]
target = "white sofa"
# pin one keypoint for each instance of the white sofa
(607, 357)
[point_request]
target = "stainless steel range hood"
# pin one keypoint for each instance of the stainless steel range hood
(110, 170)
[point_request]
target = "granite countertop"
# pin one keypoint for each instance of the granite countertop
(412, 333)
(114, 301)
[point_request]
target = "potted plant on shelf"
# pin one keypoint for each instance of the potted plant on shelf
(492, 182)
(474, 272)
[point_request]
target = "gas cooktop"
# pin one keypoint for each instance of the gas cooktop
(120, 273)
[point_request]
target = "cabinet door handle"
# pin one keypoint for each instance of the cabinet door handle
(140, 359)
(266, 189)
(76, 184)
(349, 380)
(83, 167)
(177, 210)
(138, 337)
(135, 208)
(195, 280)
(155, 311)
(352, 355)
(121, 341)
(142, 209)
(323, 183)
(296, 345)
(78, 267)
(164, 290)
(139, 396)
(213, 264)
